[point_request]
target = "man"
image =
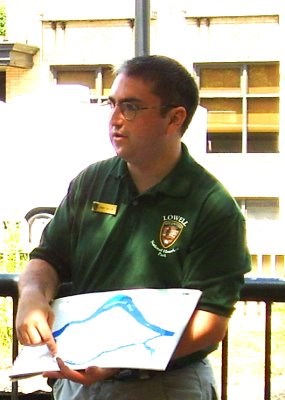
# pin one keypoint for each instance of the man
(149, 217)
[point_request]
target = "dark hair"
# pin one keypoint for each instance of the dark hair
(172, 83)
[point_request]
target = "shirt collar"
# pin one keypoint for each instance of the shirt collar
(176, 184)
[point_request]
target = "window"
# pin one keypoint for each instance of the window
(243, 107)
(266, 208)
(98, 79)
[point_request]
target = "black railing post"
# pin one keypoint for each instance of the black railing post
(15, 346)
(224, 374)
(267, 357)
(9, 288)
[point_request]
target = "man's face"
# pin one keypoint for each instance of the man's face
(141, 139)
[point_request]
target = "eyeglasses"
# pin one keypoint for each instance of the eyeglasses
(130, 110)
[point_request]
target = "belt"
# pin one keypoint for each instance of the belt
(129, 375)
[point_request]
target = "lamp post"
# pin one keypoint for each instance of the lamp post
(142, 27)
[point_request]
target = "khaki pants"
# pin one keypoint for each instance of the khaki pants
(194, 382)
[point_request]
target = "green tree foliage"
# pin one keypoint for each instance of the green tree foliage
(12, 255)
(6, 331)
(2, 21)
(13, 258)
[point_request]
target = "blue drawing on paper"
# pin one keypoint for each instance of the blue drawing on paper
(125, 303)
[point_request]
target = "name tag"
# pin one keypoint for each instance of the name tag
(104, 208)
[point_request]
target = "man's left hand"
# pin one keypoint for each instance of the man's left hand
(85, 377)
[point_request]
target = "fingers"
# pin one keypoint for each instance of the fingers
(51, 344)
(35, 329)
(85, 377)
(30, 336)
(66, 373)
(37, 335)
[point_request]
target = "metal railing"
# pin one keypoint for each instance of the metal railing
(8, 288)
(266, 290)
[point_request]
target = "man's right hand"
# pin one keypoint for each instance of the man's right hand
(37, 286)
(34, 321)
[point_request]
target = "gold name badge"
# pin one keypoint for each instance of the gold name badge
(104, 208)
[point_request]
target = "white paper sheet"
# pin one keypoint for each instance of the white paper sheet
(137, 328)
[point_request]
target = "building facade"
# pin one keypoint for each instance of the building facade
(234, 50)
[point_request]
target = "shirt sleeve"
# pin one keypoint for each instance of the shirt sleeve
(218, 257)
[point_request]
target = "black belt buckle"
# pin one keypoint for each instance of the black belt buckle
(129, 375)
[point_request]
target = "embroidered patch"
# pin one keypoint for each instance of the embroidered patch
(169, 232)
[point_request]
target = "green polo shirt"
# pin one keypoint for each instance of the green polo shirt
(185, 232)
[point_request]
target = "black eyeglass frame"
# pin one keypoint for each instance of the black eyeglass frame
(129, 107)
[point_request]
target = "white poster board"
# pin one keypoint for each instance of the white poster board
(137, 328)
